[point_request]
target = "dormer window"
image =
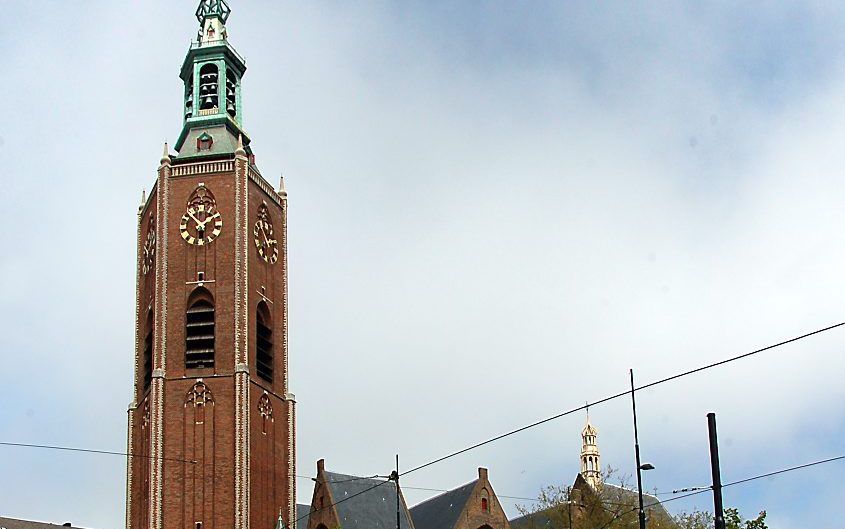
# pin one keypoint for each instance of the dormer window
(204, 142)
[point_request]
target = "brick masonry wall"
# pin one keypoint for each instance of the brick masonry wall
(473, 516)
(205, 491)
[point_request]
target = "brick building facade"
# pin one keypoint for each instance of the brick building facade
(470, 506)
(211, 426)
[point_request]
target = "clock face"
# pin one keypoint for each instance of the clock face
(149, 247)
(201, 224)
(268, 247)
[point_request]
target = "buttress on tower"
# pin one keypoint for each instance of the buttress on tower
(211, 426)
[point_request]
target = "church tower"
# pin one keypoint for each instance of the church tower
(590, 457)
(211, 426)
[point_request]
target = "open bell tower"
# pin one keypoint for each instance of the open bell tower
(211, 426)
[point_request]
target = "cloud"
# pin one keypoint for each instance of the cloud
(495, 212)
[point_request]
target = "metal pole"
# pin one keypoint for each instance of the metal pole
(397, 491)
(717, 476)
(637, 453)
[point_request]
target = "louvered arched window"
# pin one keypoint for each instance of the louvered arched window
(148, 350)
(208, 87)
(264, 342)
(199, 330)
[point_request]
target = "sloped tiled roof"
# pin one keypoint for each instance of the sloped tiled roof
(538, 520)
(302, 512)
(360, 508)
(631, 496)
(13, 523)
(442, 512)
(610, 493)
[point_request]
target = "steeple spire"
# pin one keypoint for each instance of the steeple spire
(212, 16)
(212, 73)
(590, 456)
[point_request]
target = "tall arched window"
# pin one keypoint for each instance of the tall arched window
(264, 342)
(148, 350)
(199, 330)
(189, 98)
(231, 95)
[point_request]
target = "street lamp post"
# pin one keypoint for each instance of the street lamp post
(640, 466)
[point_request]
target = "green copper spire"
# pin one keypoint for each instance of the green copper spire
(213, 8)
(212, 73)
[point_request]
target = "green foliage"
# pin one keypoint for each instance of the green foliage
(695, 520)
(733, 520)
(616, 507)
(608, 507)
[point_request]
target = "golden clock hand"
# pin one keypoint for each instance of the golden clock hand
(208, 219)
(195, 219)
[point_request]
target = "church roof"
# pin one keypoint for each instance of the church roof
(623, 495)
(533, 520)
(224, 143)
(374, 509)
(442, 512)
(13, 523)
(302, 513)
(589, 429)
(612, 494)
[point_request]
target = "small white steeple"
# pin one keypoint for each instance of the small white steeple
(590, 457)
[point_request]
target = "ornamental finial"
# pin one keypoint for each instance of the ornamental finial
(165, 157)
(240, 151)
(213, 8)
(282, 191)
(212, 16)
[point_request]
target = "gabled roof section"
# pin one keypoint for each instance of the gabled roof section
(13, 523)
(533, 520)
(360, 508)
(302, 512)
(610, 494)
(224, 143)
(442, 512)
(622, 495)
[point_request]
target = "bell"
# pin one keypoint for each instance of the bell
(230, 107)
(208, 101)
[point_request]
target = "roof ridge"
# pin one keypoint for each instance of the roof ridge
(445, 493)
(351, 477)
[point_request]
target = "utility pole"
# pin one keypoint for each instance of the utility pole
(637, 453)
(717, 477)
(396, 473)
(569, 505)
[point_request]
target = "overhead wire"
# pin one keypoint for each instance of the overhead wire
(92, 451)
(622, 394)
(526, 427)
(699, 490)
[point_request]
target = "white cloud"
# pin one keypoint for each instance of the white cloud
(494, 214)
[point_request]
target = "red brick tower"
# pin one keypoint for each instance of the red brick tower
(211, 425)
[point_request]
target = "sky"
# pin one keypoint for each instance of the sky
(496, 209)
